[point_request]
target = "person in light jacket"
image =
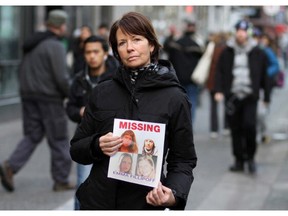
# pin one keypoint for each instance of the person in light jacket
(240, 76)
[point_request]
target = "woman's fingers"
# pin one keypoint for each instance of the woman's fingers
(160, 196)
(153, 197)
(110, 144)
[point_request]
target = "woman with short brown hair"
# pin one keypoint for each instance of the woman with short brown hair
(143, 89)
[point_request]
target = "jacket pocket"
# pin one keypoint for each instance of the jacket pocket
(57, 128)
(104, 121)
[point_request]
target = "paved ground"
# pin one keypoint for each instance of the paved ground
(214, 188)
(33, 184)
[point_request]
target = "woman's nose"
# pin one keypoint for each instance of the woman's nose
(129, 45)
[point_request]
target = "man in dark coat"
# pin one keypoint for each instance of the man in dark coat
(99, 67)
(44, 84)
(184, 54)
(241, 73)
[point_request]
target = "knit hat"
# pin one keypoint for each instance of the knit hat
(57, 17)
(257, 32)
(242, 24)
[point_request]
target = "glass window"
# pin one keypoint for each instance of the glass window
(9, 50)
(9, 32)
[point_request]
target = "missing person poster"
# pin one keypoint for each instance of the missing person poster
(139, 159)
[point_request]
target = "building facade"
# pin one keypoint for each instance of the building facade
(18, 22)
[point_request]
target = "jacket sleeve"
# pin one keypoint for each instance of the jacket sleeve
(73, 107)
(84, 145)
(59, 68)
(273, 64)
(265, 82)
(219, 73)
(181, 158)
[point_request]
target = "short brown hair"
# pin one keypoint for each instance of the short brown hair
(138, 24)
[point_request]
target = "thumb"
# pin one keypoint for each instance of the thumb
(109, 134)
(165, 189)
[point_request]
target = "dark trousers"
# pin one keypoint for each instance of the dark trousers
(242, 122)
(214, 119)
(40, 119)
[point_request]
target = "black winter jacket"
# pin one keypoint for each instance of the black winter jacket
(81, 88)
(156, 97)
(257, 61)
(43, 73)
(184, 54)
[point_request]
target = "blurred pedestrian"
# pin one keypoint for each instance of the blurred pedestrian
(99, 67)
(220, 40)
(44, 84)
(266, 43)
(147, 89)
(184, 55)
(78, 50)
(241, 73)
(170, 41)
(103, 30)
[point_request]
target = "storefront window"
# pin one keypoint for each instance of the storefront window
(9, 50)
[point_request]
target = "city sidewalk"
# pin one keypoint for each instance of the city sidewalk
(214, 187)
(33, 184)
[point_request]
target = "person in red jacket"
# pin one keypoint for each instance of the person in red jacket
(220, 40)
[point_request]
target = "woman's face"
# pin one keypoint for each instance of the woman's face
(125, 164)
(149, 144)
(134, 50)
(127, 140)
(145, 168)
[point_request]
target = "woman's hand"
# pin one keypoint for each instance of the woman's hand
(82, 109)
(218, 96)
(161, 196)
(110, 144)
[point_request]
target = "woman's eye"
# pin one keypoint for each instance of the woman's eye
(137, 39)
(121, 44)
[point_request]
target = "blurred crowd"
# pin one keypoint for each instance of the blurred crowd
(272, 43)
(240, 69)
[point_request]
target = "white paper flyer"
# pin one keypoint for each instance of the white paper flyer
(139, 160)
